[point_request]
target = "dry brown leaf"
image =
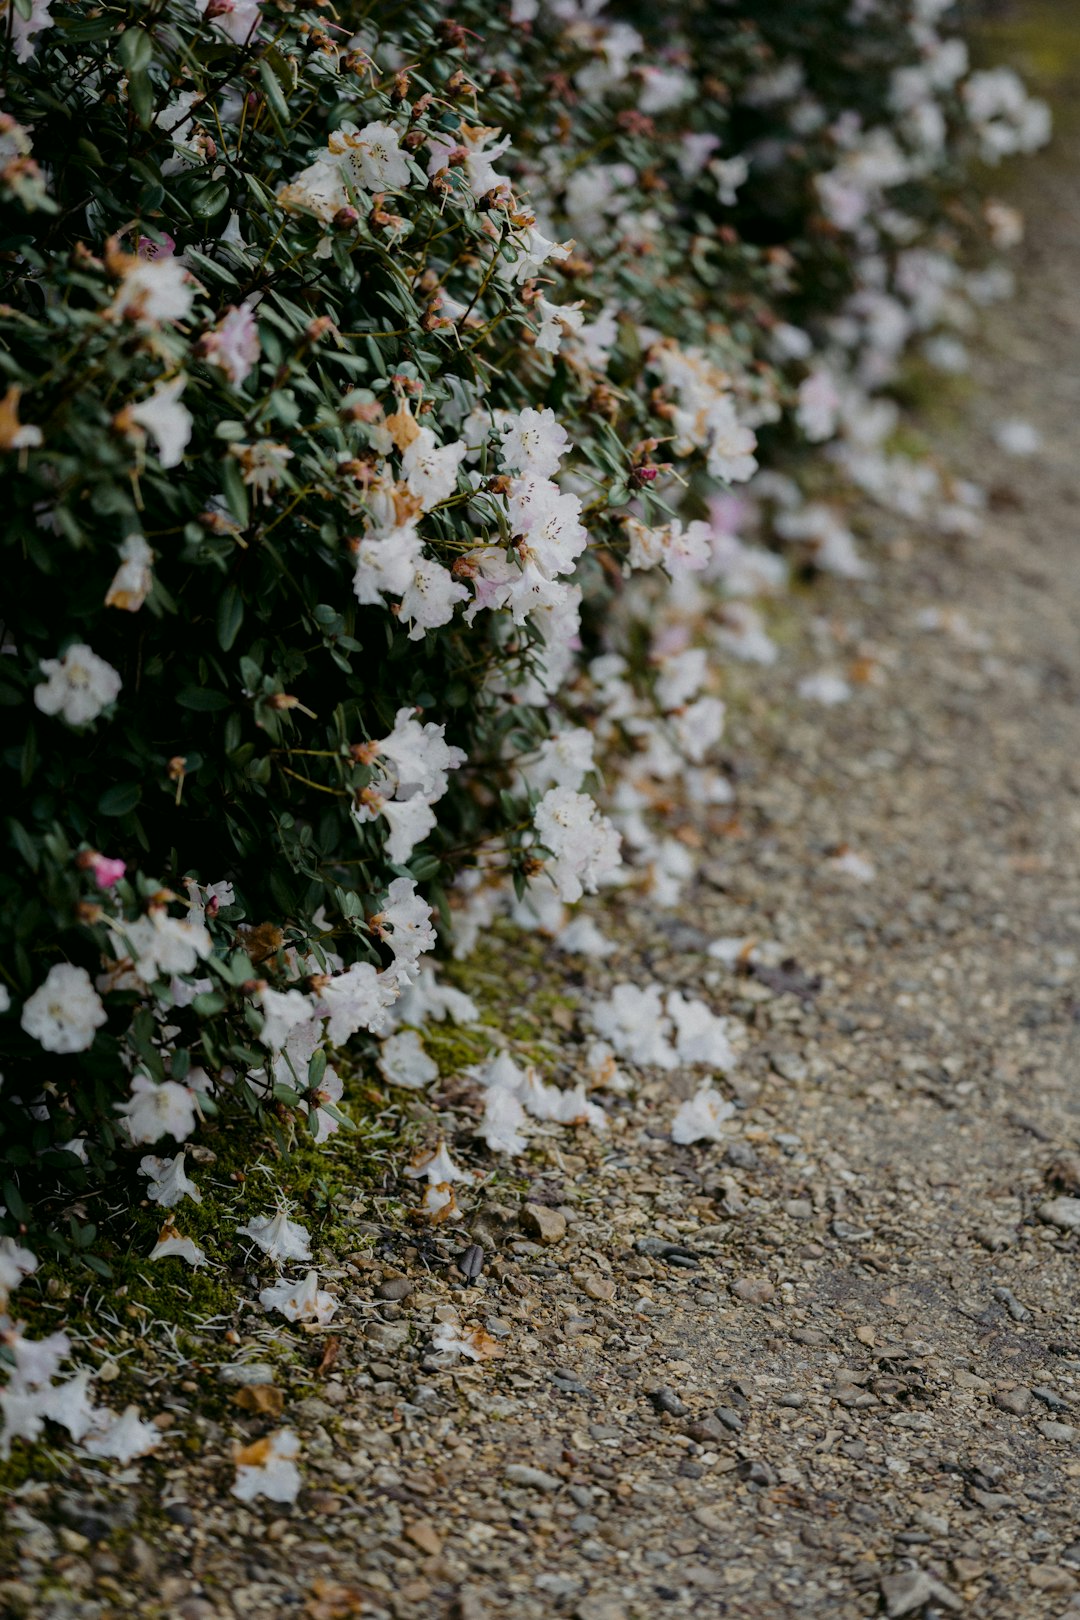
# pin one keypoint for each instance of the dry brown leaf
(262, 941)
(264, 1399)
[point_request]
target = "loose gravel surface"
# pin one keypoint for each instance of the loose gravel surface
(831, 1366)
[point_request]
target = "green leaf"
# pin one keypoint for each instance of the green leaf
(14, 1200)
(118, 800)
(316, 1068)
(210, 199)
(236, 495)
(141, 97)
(230, 617)
(136, 50)
(24, 844)
(202, 698)
(209, 267)
(275, 99)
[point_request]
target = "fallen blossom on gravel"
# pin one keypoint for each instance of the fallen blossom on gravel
(267, 1468)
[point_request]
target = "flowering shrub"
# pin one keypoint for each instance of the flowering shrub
(374, 402)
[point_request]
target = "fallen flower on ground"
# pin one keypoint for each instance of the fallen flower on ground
(403, 1061)
(278, 1237)
(124, 1438)
(266, 1468)
(701, 1118)
(472, 1342)
(437, 1165)
(300, 1302)
(168, 1181)
(171, 1242)
(439, 1204)
(849, 863)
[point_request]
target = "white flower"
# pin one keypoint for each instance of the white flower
(5, 998)
(819, 405)
(371, 156)
(64, 1012)
(319, 189)
(22, 1414)
(701, 1117)
(429, 598)
(24, 30)
(300, 1302)
(154, 290)
(681, 676)
(356, 999)
(439, 1204)
(849, 863)
(533, 251)
(426, 998)
(582, 937)
(584, 845)
(282, 1011)
(700, 1035)
(266, 1468)
(633, 1020)
(328, 1092)
(420, 755)
(155, 1110)
(430, 469)
(79, 687)
(410, 822)
(825, 687)
(731, 446)
(1018, 437)
(134, 578)
(37, 1361)
(437, 1165)
(533, 442)
(168, 1181)
(550, 524)
(170, 1242)
(475, 1343)
(403, 1061)
(161, 944)
(404, 922)
(69, 1404)
(233, 345)
(167, 421)
(504, 1117)
(729, 174)
(680, 550)
(699, 727)
(236, 18)
(563, 760)
(557, 323)
(278, 1237)
(570, 1107)
(125, 1437)
(15, 1264)
(264, 465)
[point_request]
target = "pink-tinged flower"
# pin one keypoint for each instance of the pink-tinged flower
(164, 249)
(107, 871)
(234, 344)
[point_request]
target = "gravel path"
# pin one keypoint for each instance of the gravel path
(833, 1369)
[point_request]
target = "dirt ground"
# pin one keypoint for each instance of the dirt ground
(830, 1367)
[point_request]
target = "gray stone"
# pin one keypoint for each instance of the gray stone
(909, 1590)
(533, 1479)
(1063, 1213)
(246, 1373)
(387, 1335)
